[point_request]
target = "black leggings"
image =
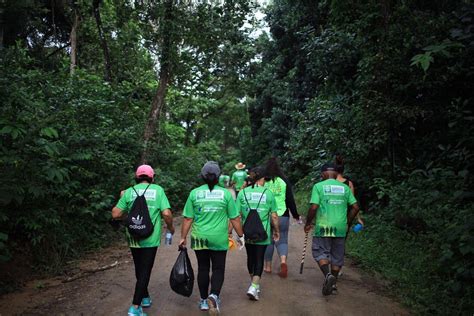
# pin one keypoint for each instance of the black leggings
(255, 255)
(204, 259)
(143, 259)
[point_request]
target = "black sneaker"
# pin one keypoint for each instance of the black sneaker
(329, 282)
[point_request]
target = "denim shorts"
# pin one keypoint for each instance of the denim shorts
(329, 248)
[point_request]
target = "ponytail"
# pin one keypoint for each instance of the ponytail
(211, 180)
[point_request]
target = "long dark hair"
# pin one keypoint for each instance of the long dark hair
(211, 180)
(273, 170)
(255, 174)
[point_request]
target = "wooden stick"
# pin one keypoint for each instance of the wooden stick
(90, 271)
(304, 253)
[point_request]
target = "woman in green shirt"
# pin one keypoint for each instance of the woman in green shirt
(144, 250)
(281, 189)
(208, 211)
(256, 196)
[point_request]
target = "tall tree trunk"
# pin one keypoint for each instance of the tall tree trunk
(165, 72)
(103, 41)
(73, 39)
(2, 9)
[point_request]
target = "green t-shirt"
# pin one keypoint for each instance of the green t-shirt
(333, 197)
(210, 211)
(224, 180)
(267, 205)
(157, 202)
(278, 188)
(239, 178)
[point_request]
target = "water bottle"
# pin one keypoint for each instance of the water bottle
(168, 238)
(357, 228)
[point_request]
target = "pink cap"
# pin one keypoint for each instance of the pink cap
(145, 170)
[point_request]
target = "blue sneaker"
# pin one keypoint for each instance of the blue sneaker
(214, 303)
(146, 302)
(203, 305)
(132, 311)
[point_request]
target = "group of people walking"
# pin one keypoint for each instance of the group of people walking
(211, 215)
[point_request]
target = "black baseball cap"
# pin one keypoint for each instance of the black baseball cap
(328, 166)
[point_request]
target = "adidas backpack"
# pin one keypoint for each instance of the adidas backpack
(139, 223)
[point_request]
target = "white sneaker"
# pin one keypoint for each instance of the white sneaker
(253, 292)
(214, 303)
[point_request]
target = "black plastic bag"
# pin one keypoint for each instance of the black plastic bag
(182, 274)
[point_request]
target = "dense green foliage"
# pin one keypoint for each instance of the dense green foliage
(388, 85)
(71, 137)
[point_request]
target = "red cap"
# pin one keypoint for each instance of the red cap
(145, 170)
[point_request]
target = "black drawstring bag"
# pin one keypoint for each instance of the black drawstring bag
(253, 227)
(138, 221)
(182, 274)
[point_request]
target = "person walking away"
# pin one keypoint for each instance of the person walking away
(281, 188)
(328, 204)
(341, 178)
(238, 177)
(339, 161)
(207, 212)
(256, 196)
(144, 250)
(224, 181)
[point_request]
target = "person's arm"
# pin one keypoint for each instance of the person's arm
(237, 224)
(351, 186)
(351, 200)
(117, 213)
(290, 200)
(275, 226)
(185, 227)
(313, 208)
(168, 218)
(118, 210)
(352, 214)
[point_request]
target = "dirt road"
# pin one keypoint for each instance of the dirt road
(109, 292)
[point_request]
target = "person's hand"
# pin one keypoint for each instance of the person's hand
(241, 242)
(182, 242)
(360, 221)
(307, 228)
(276, 235)
(122, 192)
(171, 229)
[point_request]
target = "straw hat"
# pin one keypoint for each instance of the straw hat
(240, 166)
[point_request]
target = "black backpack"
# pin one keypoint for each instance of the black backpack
(139, 222)
(253, 226)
